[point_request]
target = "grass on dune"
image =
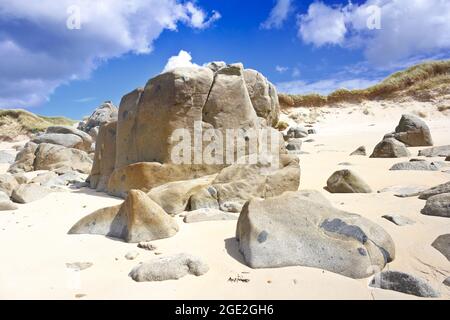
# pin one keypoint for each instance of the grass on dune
(18, 121)
(420, 81)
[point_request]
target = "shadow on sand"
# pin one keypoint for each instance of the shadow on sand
(232, 247)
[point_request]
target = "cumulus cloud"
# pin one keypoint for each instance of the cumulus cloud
(409, 28)
(183, 59)
(39, 52)
(278, 14)
(324, 86)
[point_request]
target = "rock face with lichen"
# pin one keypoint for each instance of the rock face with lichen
(298, 229)
(184, 100)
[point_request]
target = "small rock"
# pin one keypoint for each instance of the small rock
(417, 165)
(26, 193)
(438, 205)
(7, 205)
(360, 151)
(403, 282)
(294, 144)
(131, 255)
(297, 132)
(404, 191)
(146, 246)
(312, 131)
(169, 268)
(447, 282)
(79, 266)
(398, 219)
(442, 244)
(441, 188)
(390, 148)
(346, 181)
(441, 151)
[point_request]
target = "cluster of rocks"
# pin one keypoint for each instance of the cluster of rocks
(103, 114)
(410, 132)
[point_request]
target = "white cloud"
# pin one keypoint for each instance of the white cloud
(278, 14)
(281, 69)
(409, 28)
(324, 86)
(38, 52)
(183, 59)
(322, 25)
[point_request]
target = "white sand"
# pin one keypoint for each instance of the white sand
(35, 246)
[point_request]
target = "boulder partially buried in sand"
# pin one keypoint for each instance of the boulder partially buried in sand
(390, 148)
(347, 181)
(172, 267)
(441, 188)
(438, 205)
(294, 230)
(137, 219)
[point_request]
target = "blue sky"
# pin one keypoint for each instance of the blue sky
(52, 65)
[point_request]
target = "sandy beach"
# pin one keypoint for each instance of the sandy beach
(36, 247)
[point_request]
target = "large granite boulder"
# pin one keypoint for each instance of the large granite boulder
(184, 100)
(438, 205)
(137, 219)
(295, 230)
(104, 113)
(347, 181)
(413, 131)
(390, 148)
(419, 165)
(87, 140)
(263, 95)
(105, 156)
(58, 158)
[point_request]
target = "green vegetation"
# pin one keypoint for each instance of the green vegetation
(15, 122)
(422, 82)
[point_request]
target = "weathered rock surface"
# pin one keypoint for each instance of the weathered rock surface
(403, 282)
(65, 140)
(360, 151)
(390, 148)
(292, 229)
(104, 113)
(442, 244)
(171, 267)
(105, 156)
(6, 157)
(347, 181)
(297, 132)
(208, 214)
(441, 188)
(43, 178)
(404, 191)
(441, 151)
(398, 219)
(413, 131)
(58, 158)
(137, 219)
(240, 182)
(422, 165)
(87, 141)
(294, 144)
(263, 95)
(20, 177)
(8, 183)
(26, 193)
(173, 197)
(7, 205)
(204, 198)
(438, 205)
(24, 161)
